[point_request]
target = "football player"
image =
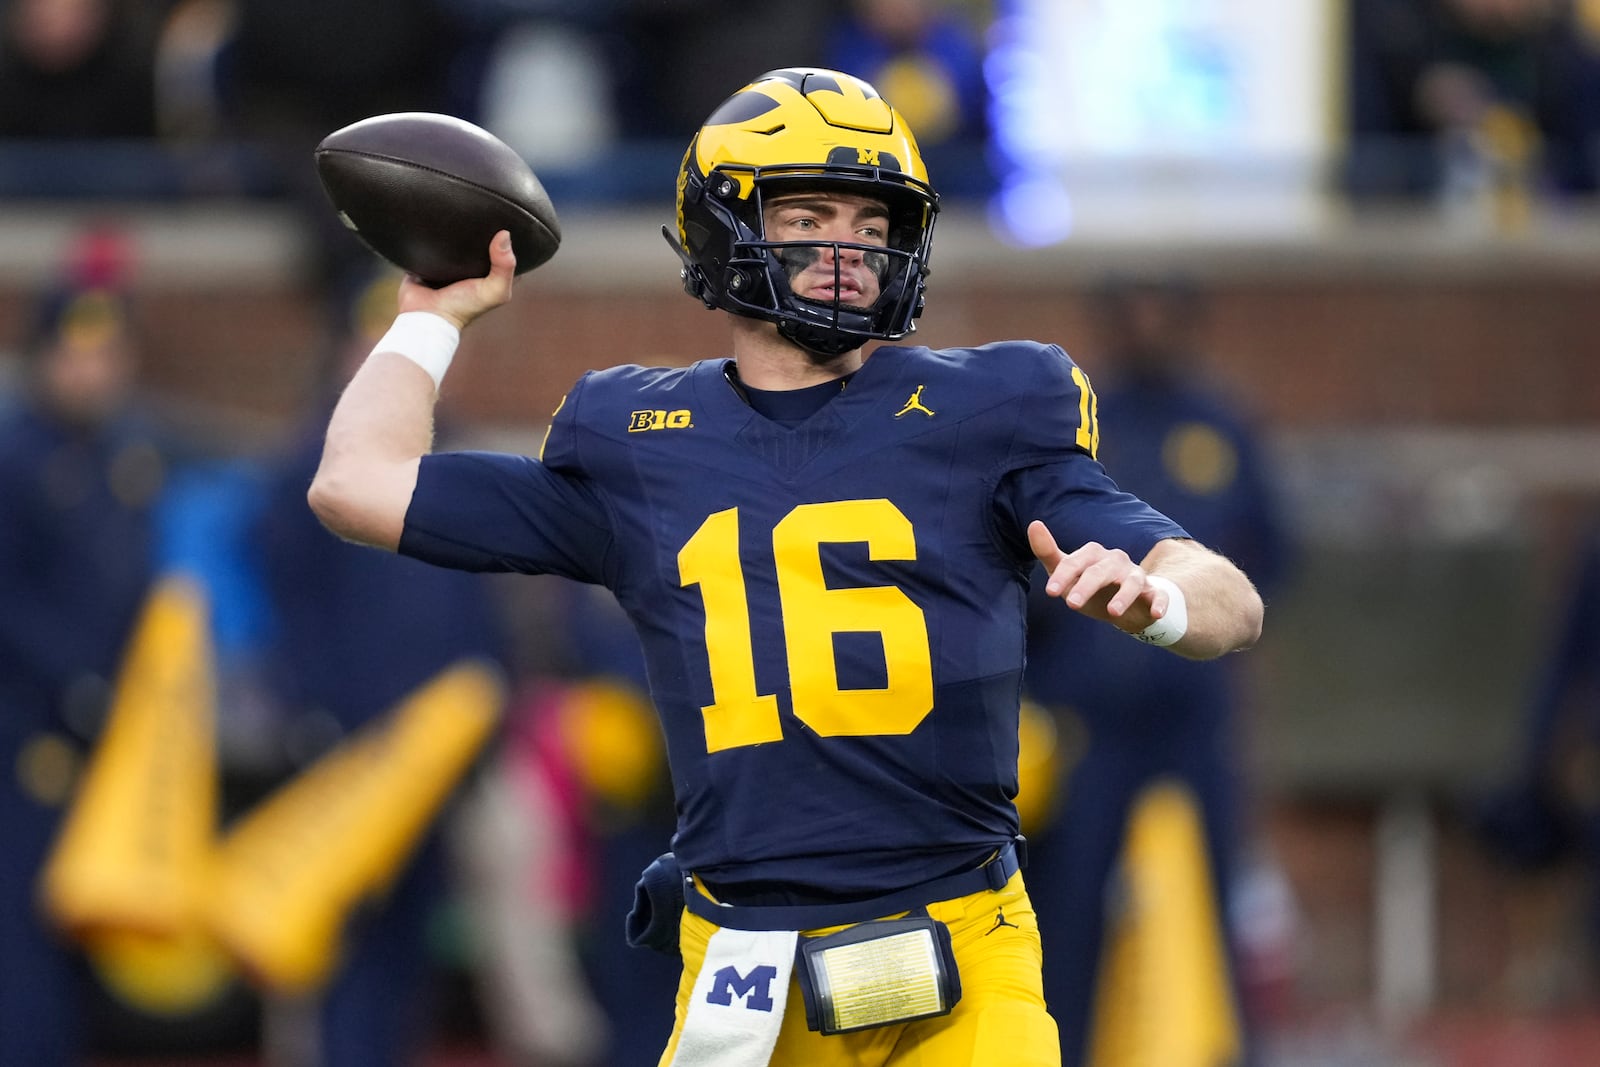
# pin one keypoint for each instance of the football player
(826, 557)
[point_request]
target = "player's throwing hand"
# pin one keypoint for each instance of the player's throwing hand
(463, 301)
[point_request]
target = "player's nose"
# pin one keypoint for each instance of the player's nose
(839, 250)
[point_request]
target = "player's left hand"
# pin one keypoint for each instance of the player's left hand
(1102, 583)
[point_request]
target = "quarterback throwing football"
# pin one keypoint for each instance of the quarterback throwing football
(826, 557)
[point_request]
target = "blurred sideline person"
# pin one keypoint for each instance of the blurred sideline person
(77, 69)
(601, 725)
(82, 468)
(1548, 812)
(926, 54)
(1148, 719)
(353, 633)
(826, 557)
(519, 844)
(290, 77)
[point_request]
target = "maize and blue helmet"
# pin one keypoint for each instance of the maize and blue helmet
(811, 129)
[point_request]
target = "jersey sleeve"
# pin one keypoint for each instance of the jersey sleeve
(491, 511)
(1053, 473)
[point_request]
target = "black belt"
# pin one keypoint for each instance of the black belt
(993, 874)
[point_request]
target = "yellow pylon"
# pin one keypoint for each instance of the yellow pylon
(1165, 997)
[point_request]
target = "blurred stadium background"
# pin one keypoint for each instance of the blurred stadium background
(1412, 312)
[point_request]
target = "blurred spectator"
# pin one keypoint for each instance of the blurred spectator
(296, 70)
(681, 56)
(190, 52)
(1549, 811)
(518, 841)
(78, 68)
(1143, 718)
(585, 758)
(81, 470)
(613, 742)
(925, 56)
(547, 78)
(331, 676)
(1472, 100)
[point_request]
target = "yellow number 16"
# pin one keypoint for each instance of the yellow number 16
(812, 614)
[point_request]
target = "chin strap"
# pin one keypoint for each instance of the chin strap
(823, 340)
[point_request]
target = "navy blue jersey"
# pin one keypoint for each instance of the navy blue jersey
(832, 614)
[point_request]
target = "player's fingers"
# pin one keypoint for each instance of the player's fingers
(1104, 574)
(1131, 585)
(1076, 576)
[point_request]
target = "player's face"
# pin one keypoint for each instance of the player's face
(827, 272)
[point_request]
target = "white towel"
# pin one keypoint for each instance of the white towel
(739, 997)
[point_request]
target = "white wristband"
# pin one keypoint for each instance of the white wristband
(426, 339)
(1168, 629)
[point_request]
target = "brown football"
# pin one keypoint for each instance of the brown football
(426, 192)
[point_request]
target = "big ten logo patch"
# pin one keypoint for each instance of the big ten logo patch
(659, 420)
(755, 987)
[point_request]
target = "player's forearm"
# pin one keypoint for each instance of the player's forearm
(380, 429)
(1225, 611)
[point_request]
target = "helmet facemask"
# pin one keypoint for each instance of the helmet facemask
(757, 276)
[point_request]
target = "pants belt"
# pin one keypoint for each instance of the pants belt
(992, 875)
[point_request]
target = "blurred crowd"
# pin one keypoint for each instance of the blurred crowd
(1474, 102)
(563, 82)
(1444, 98)
(521, 872)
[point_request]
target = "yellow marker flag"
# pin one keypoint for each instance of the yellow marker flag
(134, 850)
(1165, 997)
(288, 874)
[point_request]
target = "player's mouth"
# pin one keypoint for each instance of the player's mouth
(847, 291)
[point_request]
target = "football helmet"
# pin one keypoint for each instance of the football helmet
(803, 128)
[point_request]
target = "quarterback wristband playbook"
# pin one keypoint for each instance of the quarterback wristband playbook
(878, 973)
(426, 339)
(1168, 629)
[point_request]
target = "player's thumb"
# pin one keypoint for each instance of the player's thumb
(1043, 544)
(502, 257)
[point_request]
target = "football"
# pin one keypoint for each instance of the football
(426, 192)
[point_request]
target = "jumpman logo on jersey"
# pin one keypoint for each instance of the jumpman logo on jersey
(999, 921)
(915, 404)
